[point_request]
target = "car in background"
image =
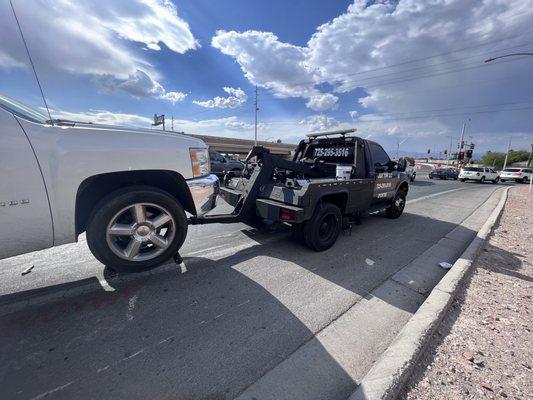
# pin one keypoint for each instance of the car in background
(220, 165)
(444, 173)
(522, 175)
(479, 174)
(411, 172)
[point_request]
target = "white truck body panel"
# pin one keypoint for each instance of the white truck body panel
(25, 220)
(45, 166)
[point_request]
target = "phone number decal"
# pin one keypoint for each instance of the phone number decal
(331, 152)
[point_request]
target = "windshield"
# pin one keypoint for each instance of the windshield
(472, 169)
(21, 110)
(512, 170)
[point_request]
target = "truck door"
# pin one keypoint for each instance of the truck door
(385, 179)
(25, 220)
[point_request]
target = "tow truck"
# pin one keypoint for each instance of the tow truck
(331, 181)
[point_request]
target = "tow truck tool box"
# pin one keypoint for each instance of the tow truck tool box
(330, 182)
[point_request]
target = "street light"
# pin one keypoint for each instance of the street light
(508, 55)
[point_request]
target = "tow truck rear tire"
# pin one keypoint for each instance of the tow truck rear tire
(397, 205)
(136, 228)
(324, 227)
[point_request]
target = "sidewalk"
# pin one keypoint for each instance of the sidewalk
(483, 348)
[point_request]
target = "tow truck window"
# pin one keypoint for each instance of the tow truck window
(378, 154)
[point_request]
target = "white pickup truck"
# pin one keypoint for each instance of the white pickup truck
(128, 189)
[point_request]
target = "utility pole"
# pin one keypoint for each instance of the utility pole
(507, 154)
(256, 110)
(530, 157)
(449, 151)
(172, 123)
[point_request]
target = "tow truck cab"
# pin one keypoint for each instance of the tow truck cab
(343, 175)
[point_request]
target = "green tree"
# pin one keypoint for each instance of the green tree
(496, 159)
(517, 156)
(493, 159)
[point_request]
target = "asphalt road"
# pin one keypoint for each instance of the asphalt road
(249, 313)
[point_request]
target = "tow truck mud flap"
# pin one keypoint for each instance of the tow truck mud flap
(277, 211)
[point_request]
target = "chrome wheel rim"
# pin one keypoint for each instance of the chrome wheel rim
(140, 232)
(399, 203)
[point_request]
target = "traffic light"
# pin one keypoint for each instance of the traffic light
(472, 146)
(429, 151)
(469, 153)
(445, 151)
(461, 155)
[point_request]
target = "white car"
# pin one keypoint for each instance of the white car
(411, 172)
(522, 175)
(480, 174)
(128, 189)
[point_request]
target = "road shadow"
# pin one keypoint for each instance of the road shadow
(212, 327)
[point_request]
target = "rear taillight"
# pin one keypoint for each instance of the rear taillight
(286, 214)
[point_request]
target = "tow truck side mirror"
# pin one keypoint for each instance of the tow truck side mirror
(380, 168)
(402, 164)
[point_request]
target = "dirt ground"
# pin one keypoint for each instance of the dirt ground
(484, 346)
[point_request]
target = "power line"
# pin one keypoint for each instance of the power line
(366, 121)
(31, 62)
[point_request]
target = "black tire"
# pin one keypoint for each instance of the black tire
(502, 180)
(397, 205)
(463, 180)
(430, 177)
(297, 231)
(495, 180)
(324, 227)
(482, 180)
(106, 210)
(454, 178)
(524, 179)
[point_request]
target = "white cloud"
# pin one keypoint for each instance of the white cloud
(322, 102)
(99, 39)
(6, 61)
(353, 114)
(236, 98)
(319, 122)
(356, 50)
(139, 84)
(274, 65)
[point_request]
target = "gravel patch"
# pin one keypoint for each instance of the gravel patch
(484, 346)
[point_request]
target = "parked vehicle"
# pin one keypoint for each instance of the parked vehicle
(522, 175)
(479, 174)
(411, 172)
(444, 173)
(128, 189)
(220, 165)
(329, 184)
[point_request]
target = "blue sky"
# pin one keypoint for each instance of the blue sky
(402, 71)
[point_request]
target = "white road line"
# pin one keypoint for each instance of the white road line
(57, 389)
(429, 196)
(133, 355)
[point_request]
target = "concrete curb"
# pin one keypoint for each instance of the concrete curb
(389, 374)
